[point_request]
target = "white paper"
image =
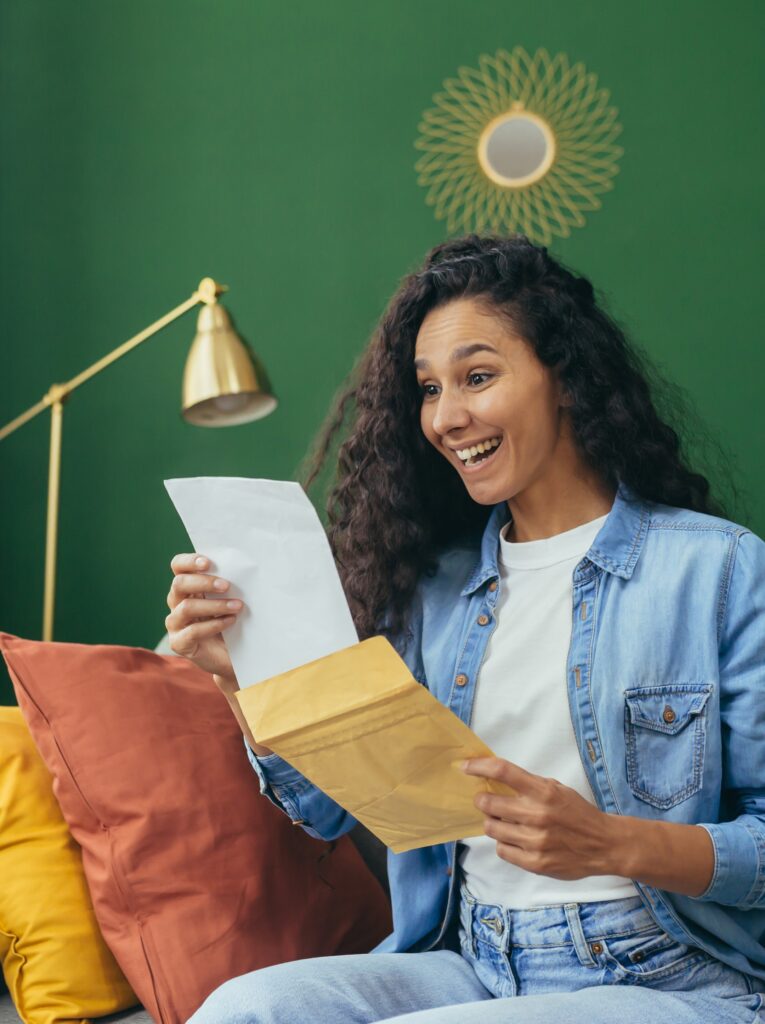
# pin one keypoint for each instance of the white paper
(265, 538)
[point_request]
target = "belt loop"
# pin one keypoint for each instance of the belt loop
(467, 909)
(509, 926)
(577, 934)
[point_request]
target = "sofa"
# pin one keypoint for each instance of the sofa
(8, 1014)
(371, 849)
(105, 684)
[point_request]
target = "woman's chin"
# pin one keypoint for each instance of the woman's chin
(487, 492)
(487, 485)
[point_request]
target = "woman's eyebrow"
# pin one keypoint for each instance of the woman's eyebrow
(459, 353)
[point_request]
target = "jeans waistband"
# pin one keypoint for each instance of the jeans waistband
(557, 924)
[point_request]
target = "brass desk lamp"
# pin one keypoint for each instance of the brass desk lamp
(223, 384)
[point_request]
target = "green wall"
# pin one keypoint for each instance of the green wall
(270, 145)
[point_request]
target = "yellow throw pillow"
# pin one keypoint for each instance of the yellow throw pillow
(56, 964)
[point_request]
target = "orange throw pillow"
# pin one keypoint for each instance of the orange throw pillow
(195, 877)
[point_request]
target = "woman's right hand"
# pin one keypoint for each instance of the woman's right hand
(195, 626)
(195, 623)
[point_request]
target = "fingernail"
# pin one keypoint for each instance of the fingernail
(233, 604)
(220, 584)
(465, 765)
(201, 562)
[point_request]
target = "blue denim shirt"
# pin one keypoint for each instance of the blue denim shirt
(668, 613)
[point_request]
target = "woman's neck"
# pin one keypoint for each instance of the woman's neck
(546, 508)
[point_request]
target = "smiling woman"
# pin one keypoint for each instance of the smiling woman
(514, 513)
(571, 399)
(499, 415)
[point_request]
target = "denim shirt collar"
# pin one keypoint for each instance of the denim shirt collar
(616, 547)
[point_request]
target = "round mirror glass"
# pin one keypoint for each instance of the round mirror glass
(516, 149)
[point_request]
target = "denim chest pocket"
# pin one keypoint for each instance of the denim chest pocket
(665, 733)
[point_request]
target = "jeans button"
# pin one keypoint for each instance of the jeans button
(494, 923)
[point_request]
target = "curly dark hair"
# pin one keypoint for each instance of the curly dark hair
(395, 503)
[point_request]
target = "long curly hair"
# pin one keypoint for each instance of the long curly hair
(395, 503)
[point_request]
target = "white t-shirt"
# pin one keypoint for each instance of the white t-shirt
(521, 708)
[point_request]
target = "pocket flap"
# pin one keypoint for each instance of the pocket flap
(665, 708)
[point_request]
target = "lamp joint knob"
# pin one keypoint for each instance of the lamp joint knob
(209, 290)
(57, 393)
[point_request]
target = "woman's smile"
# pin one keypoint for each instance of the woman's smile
(473, 459)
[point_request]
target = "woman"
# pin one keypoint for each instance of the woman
(511, 510)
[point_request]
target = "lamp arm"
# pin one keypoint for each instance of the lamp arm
(207, 292)
(59, 392)
(25, 417)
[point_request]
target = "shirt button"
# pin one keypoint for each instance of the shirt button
(483, 620)
(493, 586)
(449, 872)
(461, 679)
(668, 714)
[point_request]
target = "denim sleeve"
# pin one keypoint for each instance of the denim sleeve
(300, 799)
(738, 879)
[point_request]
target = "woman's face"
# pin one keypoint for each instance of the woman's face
(482, 384)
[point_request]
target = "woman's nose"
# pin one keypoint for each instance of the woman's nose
(450, 413)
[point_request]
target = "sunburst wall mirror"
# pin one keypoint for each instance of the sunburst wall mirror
(520, 143)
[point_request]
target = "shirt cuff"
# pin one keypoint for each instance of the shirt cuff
(738, 879)
(272, 770)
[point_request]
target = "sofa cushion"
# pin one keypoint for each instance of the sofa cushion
(195, 877)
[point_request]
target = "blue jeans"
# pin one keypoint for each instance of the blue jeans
(578, 963)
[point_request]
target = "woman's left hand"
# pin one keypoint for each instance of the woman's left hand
(548, 828)
(551, 830)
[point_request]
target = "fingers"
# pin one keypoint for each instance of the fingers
(189, 563)
(188, 578)
(194, 609)
(501, 770)
(195, 621)
(506, 808)
(186, 584)
(186, 641)
(513, 835)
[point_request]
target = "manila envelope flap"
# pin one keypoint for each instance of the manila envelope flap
(358, 725)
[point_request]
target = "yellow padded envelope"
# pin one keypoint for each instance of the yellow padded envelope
(359, 726)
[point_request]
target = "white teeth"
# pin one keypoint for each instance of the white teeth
(483, 446)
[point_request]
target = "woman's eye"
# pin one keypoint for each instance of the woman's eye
(476, 379)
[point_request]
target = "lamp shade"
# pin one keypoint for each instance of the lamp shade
(223, 382)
